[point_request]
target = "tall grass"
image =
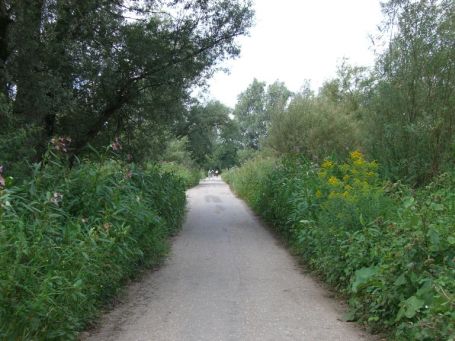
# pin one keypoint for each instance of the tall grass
(69, 238)
(189, 175)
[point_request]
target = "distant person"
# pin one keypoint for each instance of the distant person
(216, 173)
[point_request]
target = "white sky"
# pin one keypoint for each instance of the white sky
(294, 40)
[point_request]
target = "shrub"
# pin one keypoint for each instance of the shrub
(189, 175)
(409, 118)
(316, 127)
(248, 179)
(69, 238)
(391, 251)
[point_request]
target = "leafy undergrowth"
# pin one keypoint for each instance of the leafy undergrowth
(190, 176)
(69, 238)
(389, 249)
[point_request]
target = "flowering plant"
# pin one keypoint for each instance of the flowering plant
(347, 180)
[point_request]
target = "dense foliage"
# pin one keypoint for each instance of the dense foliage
(85, 74)
(410, 118)
(78, 76)
(315, 126)
(254, 109)
(390, 250)
(189, 176)
(400, 113)
(69, 238)
(94, 70)
(380, 232)
(213, 138)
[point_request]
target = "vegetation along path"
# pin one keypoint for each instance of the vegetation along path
(227, 279)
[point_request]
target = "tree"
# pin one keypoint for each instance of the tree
(228, 143)
(213, 137)
(315, 126)
(255, 107)
(410, 124)
(250, 113)
(85, 68)
(276, 98)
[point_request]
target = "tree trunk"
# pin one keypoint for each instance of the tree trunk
(5, 22)
(31, 103)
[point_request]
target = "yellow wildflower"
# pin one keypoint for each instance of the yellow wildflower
(327, 164)
(318, 194)
(333, 181)
(356, 155)
(359, 162)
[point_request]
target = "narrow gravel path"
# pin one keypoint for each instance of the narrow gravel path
(227, 279)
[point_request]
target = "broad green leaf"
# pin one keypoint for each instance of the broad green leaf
(362, 276)
(400, 280)
(412, 306)
(434, 239)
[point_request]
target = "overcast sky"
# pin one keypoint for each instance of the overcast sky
(294, 40)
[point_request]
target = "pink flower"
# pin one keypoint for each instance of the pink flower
(116, 144)
(2, 179)
(61, 144)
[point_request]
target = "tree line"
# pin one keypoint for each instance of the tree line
(92, 71)
(401, 112)
(100, 70)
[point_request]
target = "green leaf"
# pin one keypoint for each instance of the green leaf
(412, 306)
(408, 202)
(373, 319)
(362, 221)
(85, 255)
(78, 283)
(401, 280)
(437, 207)
(363, 276)
(435, 240)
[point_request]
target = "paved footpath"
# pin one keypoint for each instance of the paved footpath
(227, 279)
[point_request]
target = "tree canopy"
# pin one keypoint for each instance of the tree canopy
(91, 70)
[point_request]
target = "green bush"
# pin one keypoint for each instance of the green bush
(389, 250)
(314, 126)
(249, 179)
(69, 238)
(189, 175)
(408, 121)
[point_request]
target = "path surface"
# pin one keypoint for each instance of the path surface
(227, 279)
